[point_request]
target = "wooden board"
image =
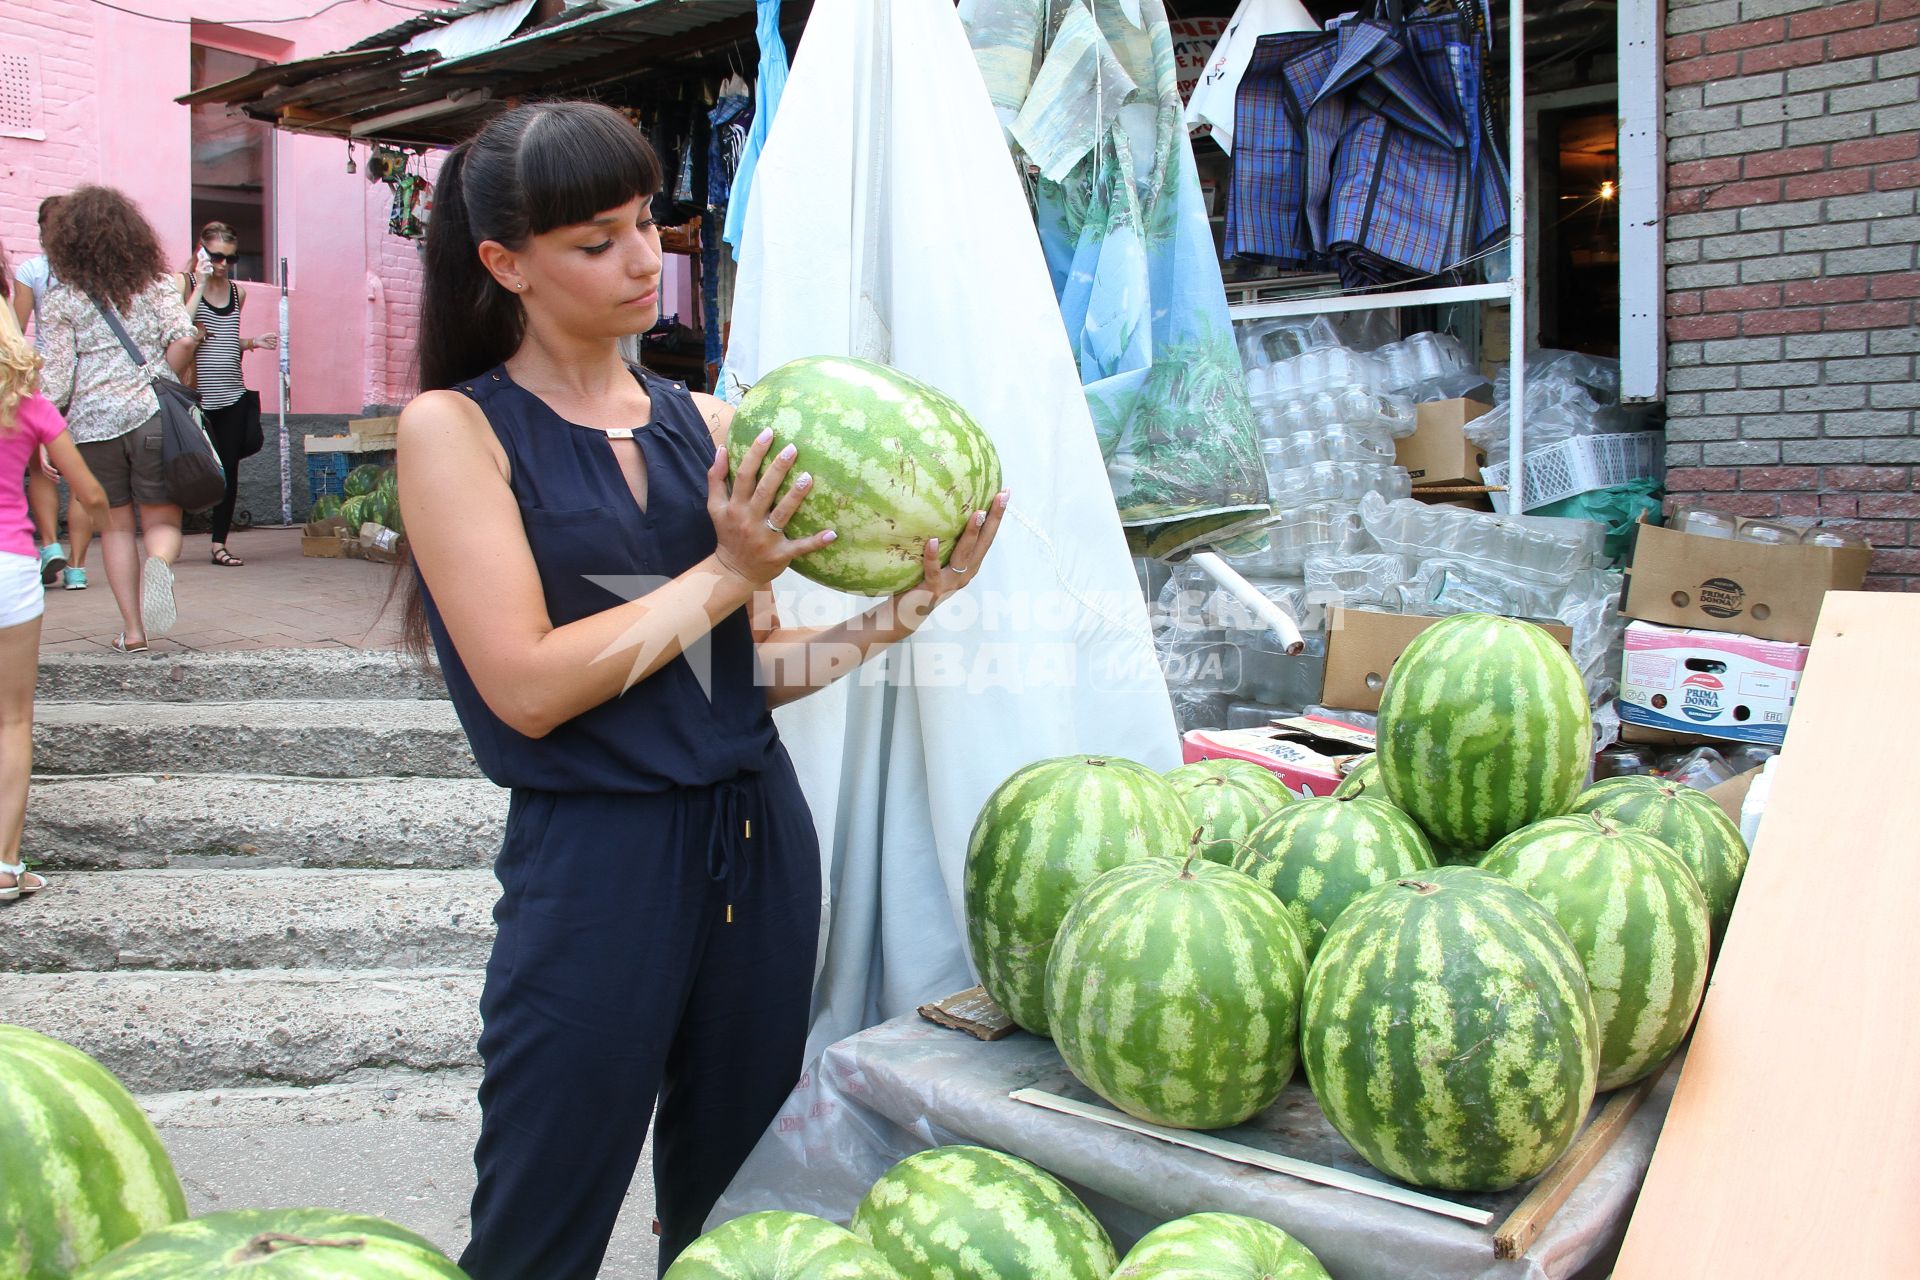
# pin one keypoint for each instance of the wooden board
(1793, 1145)
(972, 1011)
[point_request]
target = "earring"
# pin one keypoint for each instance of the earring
(522, 285)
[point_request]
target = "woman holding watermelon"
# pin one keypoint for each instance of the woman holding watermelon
(660, 873)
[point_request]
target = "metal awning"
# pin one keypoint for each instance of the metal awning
(379, 92)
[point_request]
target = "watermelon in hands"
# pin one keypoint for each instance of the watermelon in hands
(894, 462)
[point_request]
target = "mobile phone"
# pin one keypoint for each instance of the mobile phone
(200, 257)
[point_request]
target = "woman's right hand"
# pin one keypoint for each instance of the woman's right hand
(749, 523)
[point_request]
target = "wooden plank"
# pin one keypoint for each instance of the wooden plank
(1241, 1154)
(1531, 1216)
(1790, 1147)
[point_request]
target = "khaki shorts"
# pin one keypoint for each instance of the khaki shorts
(128, 466)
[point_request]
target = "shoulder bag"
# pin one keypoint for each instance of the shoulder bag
(192, 471)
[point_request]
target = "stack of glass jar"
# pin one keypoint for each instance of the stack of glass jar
(1706, 521)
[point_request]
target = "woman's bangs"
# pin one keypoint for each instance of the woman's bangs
(578, 163)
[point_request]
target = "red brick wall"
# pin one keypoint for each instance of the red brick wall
(1793, 283)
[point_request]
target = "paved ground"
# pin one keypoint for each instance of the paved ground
(277, 600)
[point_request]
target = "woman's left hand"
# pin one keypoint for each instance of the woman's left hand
(267, 342)
(962, 566)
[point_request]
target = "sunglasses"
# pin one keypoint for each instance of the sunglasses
(221, 257)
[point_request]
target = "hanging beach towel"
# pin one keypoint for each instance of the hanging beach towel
(773, 82)
(1125, 232)
(855, 243)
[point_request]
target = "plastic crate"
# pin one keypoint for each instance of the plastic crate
(327, 473)
(1580, 465)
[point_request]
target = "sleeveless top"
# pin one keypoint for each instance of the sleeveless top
(216, 364)
(699, 720)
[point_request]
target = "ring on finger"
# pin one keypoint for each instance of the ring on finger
(958, 568)
(776, 528)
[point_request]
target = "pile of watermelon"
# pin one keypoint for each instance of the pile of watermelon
(1188, 941)
(90, 1194)
(372, 497)
(970, 1213)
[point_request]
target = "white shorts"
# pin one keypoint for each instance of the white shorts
(22, 598)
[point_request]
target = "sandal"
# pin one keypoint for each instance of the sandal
(120, 645)
(226, 559)
(20, 888)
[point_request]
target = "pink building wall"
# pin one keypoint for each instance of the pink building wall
(104, 85)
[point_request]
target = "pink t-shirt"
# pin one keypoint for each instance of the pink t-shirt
(36, 423)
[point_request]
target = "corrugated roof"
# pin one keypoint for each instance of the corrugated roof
(593, 43)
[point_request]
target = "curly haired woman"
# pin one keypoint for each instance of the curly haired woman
(106, 258)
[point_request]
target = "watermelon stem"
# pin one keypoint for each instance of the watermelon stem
(268, 1243)
(1421, 887)
(1193, 851)
(1606, 827)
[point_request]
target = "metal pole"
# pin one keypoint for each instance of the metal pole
(286, 397)
(1517, 256)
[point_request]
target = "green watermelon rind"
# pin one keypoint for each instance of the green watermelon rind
(1319, 855)
(1449, 1033)
(363, 479)
(1042, 837)
(894, 462)
(777, 1245)
(973, 1214)
(1227, 799)
(82, 1170)
(1638, 920)
(1219, 1246)
(1174, 993)
(1687, 821)
(326, 1244)
(1484, 728)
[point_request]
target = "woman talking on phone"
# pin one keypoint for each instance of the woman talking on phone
(214, 301)
(660, 875)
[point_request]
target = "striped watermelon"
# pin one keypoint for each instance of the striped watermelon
(1686, 821)
(1637, 918)
(780, 1246)
(1227, 799)
(967, 1213)
(81, 1169)
(1043, 836)
(1319, 855)
(894, 462)
(1484, 728)
(363, 479)
(1449, 1033)
(1174, 992)
(1219, 1246)
(283, 1244)
(1364, 774)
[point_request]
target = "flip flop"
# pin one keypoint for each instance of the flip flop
(20, 888)
(120, 645)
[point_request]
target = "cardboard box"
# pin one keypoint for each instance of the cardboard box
(324, 539)
(1363, 646)
(1747, 588)
(1438, 451)
(1309, 753)
(1708, 682)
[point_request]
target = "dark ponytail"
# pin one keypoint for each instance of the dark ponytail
(531, 169)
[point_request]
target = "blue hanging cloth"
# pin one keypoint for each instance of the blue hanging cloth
(773, 81)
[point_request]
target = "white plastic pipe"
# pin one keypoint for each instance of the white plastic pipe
(1278, 619)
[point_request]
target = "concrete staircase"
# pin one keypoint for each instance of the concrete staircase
(271, 915)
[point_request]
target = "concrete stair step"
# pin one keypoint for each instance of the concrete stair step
(339, 739)
(273, 919)
(216, 821)
(269, 674)
(166, 1031)
(397, 1144)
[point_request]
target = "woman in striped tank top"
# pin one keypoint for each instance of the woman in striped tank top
(214, 302)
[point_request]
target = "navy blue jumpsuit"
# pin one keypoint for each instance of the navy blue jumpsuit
(660, 877)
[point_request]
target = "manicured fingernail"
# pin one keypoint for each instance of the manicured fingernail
(786, 454)
(1006, 495)
(979, 518)
(829, 536)
(806, 478)
(764, 436)
(934, 543)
